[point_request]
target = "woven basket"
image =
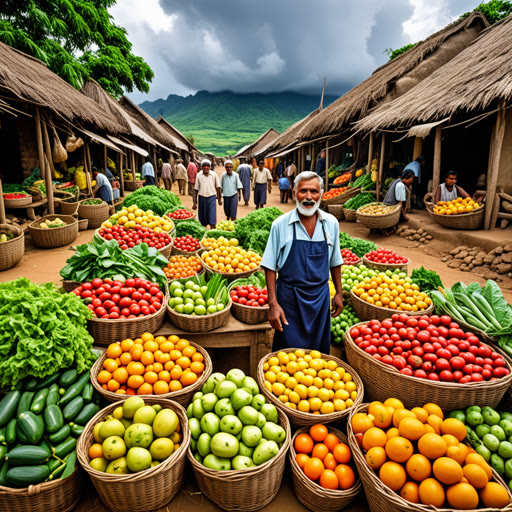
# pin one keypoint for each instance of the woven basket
(462, 221)
(83, 224)
(381, 498)
(196, 323)
(69, 286)
(69, 208)
(336, 210)
(106, 331)
(11, 251)
(130, 186)
(244, 490)
(310, 494)
(306, 419)
(182, 397)
(249, 314)
(55, 496)
(366, 311)
(230, 276)
(96, 213)
(54, 237)
(379, 221)
(146, 490)
(181, 220)
(384, 266)
(342, 198)
(14, 203)
(36, 193)
(177, 252)
(380, 379)
(350, 215)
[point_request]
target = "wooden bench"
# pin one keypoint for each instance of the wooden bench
(31, 207)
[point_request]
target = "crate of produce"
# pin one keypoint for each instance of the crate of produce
(198, 323)
(297, 417)
(17, 199)
(381, 376)
(12, 245)
(378, 215)
(385, 259)
(131, 186)
(95, 210)
(186, 246)
(336, 210)
(157, 485)
(310, 493)
(458, 214)
(55, 236)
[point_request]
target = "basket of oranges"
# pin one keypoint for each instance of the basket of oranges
(182, 268)
(170, 367)
(305, 384)
(458, 213)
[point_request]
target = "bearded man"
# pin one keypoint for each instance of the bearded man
(302, 248)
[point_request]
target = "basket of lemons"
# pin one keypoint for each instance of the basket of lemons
(458, 214)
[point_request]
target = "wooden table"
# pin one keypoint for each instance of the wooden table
(30, 207)
(234, 334)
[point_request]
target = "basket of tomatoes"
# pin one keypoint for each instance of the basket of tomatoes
(186, 245)
(180, 213)
(349, 258)
(339, 195)
(17, 199)
(385, 259)
(250, 304)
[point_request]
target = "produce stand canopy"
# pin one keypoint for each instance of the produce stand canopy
(101, 140)
(133, 147)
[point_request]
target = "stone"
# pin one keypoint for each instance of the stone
(461, 255)
(481, 255)
(503, 268)
(498, 250)
(496, 260)
(416, 236)
(471, 266)
(506, 257)
(455, 251)
(508, 248)
(477, 262)
(420, 231)
(422, 240)
(490, 275)
(445, 258)
(489, 258)
(454, 263)
(429, 237)
(468, 260)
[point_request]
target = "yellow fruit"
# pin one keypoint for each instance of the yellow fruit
(447, 471)
(434, 409)
(374, 437)
(432, 446)
(393, 475)
(323, 394)
(394, 402)
(411, 428)
(432, 493)
(420, 413)
(475, 458)
(400, 414)
(381, 414)
(475, 475)
(418, 467)
(456, 453)
(375, 457)
(462, 496)
(361, 423)
(493, 495)
(392, 432)
(278, 388)
(399, 449)
(315, 404)
(453, 427)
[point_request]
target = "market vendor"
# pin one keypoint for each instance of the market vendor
(398, 190)
(103, 188)
(231, 188)
(207, 189)
(449, 190)
(302, 247)
(261, 182)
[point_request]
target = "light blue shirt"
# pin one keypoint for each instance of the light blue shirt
(102, 181)
(230, 184)
(147, 170)
(400, 192)
(281, 238)
(414, 166)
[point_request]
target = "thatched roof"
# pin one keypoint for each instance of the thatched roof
(179, 139)
(474, 80)
(262, 141)
(29, 79)
(356, 103)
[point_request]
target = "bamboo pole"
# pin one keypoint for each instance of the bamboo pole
(2, 205)
(49, 171)
(436, 178)
(133, 165)
(381, 164)
(105, 156)
(40, 150)
(121, 177)
(327, 165)
(418, 145)
(370, 152)
(88, 169)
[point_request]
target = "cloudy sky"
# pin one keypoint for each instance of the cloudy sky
(273, 45)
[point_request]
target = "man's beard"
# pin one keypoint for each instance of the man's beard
(307, 212)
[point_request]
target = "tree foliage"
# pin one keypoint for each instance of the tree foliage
(77, 39)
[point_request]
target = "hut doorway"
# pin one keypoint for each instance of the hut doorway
(10, 163)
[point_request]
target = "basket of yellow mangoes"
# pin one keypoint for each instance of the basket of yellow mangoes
(458, 214)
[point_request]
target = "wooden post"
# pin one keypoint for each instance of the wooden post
(2, 205)
(327, 165)
(133, 165)
(105, 156)
(88, 169)
(381, 164)
(418, 145)
(40, 150)
(48, 171)
(121, 177)
(436, 178)
(370, 152)
(492, 173)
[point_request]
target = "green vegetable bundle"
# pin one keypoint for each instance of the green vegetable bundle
(190, 227)
(12, 188)
(93, 201)
(30, 180)
(217, 233)
(105, 258)
(360, 200)
(427, 280)
(153, 198)
(358, 246)
(362, 181)
(256, 279)
(253, 230)
(41, 332)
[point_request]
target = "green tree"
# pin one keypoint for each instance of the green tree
(78, 40)
(190, 138)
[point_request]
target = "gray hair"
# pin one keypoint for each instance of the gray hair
(307, 175)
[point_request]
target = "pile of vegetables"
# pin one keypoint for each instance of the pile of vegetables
(158, 200)
(191, 227)
(12, 188)
(180, 267)
(91, 202)
(41, 332)
(349, 258)
(377, 209)
(253, 230)
(360, 200)
(53, 223)
(15, 195)
(344, 178)
(342, 322)
(178, 214)
(256, 279)
(30, 180)
(334, 192)
(105, 259)
(4, 237)
(364, 181)
(427, 280)
(223, 255)
(456, 206)
(357, 245)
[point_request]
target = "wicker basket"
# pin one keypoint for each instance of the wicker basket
(146, 490)
(11, 251)
(182, 397)
(384, 266)
(130, 185)
(336, 210)
(69, 286)
(56, 496)
(15, 203)
(366, 311)
(306, 419)
(350, 215)
(462, 221)
(177, 252)
(36, 193)
(181, 220)
(387, 220)
(231, 276)
(244, 490)
(54, 237)
(310, 494)
(69, 208)
(342, 198)
(197, 323)
(380, 378)
(83, 224)
(249, 314)
(381, 498)
(106, 331)
(96, 213)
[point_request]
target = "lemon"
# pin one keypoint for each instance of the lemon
(323, 394)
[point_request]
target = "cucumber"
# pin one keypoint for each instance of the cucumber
(76, 430)
(54, 387)
(4, 466)
(53, 464)
(55, 474)
(3, 451)
(49, 379)
(75, 389)
(87, 392)
(68, 377)
(46, 445)
(31, 425)
(70, 465)
(25, 401)
(8, 406)
(61, 435)
(86, 414)
(31, 384)
(39, 401)
(20, 436)
(23, 476)
(2, 434)
(65, 447)
(53, 418)
(28, 456)
(73, 408)
(53, 397)
(10, 432)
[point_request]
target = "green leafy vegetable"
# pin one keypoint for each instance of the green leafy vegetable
(190, 227)
(41, 332)
(253, 230)
(217, 233)
(360, 200)
(255, 279)
(427, 280)
(153, 198)
(502, 311)
(356, 245)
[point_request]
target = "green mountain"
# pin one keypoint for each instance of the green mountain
(223, 122)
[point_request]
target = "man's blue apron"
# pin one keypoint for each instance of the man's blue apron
(302, 291)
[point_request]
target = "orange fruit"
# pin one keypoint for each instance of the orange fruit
(120, 391)
(135, 368)
(475, 458)
(121, 375)
(400, 414)
(463, 496)
(431, 493)
(328, 479)
(157, 354)
(125, 358)
(320, 451)
(114, 350)
(313, 468)
(147, 358)
(411, 428)
(303, 443)
(301, 459)
(197, 367)
(420, 413)
(410, 492)
(493, 495)
(418, 467)
(454, 427)
(169, 366)
(188, 378)
(399, 449)
(450, 440)
(381, 415)
(145, 389)
(96, 450)
(374, 437)
(475, 475)
(150, 377)
(110, 365)
(127, 344)
(375, 457)
(189, 351)
(147, 336)
(104, 376)
(331, 441)
(342, 453)
(136, 352)
(447, 471)
(361, 423)
(175, 385)
(167, 346)
(393, 475)
(394, 403)
(158, 367)
(182, 344)
(161, 339)
(113, 385)
(432, 446)
(198, 357)
(163, 358)
(318, 432)
(435, 422)
(151, 345)
(130, 391)
(346, 476)
(135, 381)
(175, 354)
(392, 432)
(456, 453)
(330, 462)
(176, 372)
(165, 376)
(434, 409)
(160, 387)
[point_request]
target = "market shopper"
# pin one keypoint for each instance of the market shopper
(191, 175)
(167, 174)
(245, 174)
(261, 182)
(398, 190)
(302, 247)
(148, 173)
(419, 182)
(231, 188)
(284, 188)
(207, 189)
(449, 190)
(181, 176)
(103, 187)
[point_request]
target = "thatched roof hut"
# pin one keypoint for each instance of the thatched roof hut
(178, 138)
(262, 141)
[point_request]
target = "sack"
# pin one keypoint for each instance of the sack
(59, 153)
(73, 142)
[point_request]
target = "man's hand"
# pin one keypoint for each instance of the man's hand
(270, 190)
(337, 305)
(276, 316)
(220, 202)
(194, 206)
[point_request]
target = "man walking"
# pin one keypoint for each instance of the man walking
(231, 187)
(148, 173)
(207, 189)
